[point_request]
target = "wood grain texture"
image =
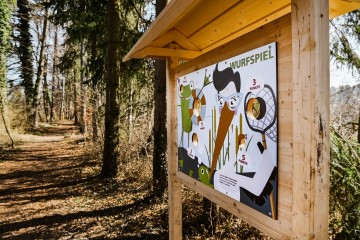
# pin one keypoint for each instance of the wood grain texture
(207, 24)
(310, 32)
(167, 52)
(244, 15)
(174, 186)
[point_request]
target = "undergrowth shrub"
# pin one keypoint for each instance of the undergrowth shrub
(344, 188)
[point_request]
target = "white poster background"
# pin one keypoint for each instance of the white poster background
(225, 178)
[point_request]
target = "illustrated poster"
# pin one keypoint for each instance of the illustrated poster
(227, 127)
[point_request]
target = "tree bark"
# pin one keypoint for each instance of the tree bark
(36, 100)
(24, 50)
(112, 105)
(46, 95)
(62, 98)
(75, 88)
(54, 77)
(95, 115)
(83, 90)
(95, 96)
(2, 109)
(160, 140)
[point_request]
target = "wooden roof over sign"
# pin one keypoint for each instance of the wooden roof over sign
(198, 26)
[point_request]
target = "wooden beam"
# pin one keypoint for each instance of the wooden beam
(240, 16)
(173, 36)
(278, 13)
(166, 52)
(173, 11)
(202, 14)
(174, 186)
(311, 155)
(340, 7)
(160, 42)
(184, 42)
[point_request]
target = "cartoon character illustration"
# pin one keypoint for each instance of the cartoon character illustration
(254, 188)
(197, 106)
(228, 84)
(231, 128)
(185, 92)
(261, 117)
(200, 150)
(204, 176)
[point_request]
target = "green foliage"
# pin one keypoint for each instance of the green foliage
(5, 30)
(345, 41)
(344, 188)
(24, 49)
(5, 15)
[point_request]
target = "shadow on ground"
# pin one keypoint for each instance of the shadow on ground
(50, 189)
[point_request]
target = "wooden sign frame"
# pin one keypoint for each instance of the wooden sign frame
(303, 103)
(191, 35)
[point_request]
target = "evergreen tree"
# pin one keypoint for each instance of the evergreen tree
(5, 29)
(24, 51)
(345, 41)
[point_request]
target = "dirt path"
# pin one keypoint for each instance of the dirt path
(49, 190)
(34, 179)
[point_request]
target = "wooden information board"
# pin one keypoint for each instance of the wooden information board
(227, 127)
(211, 125)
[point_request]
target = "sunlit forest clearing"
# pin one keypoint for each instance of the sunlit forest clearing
(83, 134)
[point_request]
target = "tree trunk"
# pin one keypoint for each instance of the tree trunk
(159, 154)
(76, 117)
(112, 105)
(2, 110)
(24, 50)
(62, 99)
(83, 90)
(95, 96)
(131, 108)
(36, 100)
(54, 77)
(46, 95)
(95, 107)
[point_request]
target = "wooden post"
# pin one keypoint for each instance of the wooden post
(311, 155)
(174, 187)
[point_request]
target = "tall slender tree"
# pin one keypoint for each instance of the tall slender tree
(112, 105)
(54, 76)
(24, 51)
(46, 94)
(159, 154)
(5, 30)
(83, 88)
(40, 69)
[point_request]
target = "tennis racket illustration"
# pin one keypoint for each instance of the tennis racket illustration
(261, 113)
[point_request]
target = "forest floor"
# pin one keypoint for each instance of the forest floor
(50, 189)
